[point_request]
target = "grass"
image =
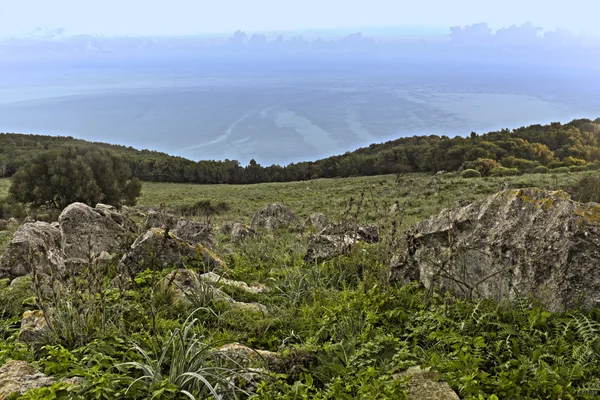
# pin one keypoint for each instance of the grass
(420, 194)
(340, 329)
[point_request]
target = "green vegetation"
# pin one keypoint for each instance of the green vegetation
(340, 330)
(75, 174)
(470, 173)
(555, 145)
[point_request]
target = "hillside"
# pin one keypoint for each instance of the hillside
(255, 317)
(555, 145)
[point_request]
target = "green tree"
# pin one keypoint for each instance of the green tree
(75, 174)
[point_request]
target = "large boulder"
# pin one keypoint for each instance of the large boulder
(160, 219)
(17, 377)
(35, 245)
(275, 216)
(338, 239)
(160, 249)
(518, 242)
(194, 232)
(424, 384)
(87, 231)
(33, 327)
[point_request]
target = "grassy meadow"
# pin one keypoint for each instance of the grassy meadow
(338, 328)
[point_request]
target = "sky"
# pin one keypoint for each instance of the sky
(187, 17)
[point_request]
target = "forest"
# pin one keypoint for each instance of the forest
(536, 148)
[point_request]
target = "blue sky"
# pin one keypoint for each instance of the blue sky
(183, 17)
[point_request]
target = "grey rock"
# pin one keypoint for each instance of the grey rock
(227, 227)
(36, 246)
(240, 232)
(194, 232)
(158, 248)
(518, 242)
(33, 327)
(424, 385)
(87, 231)
(159, 219)
(275, 216)
(317, 221)
(17, 377)
(338, 239)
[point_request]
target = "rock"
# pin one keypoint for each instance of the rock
(194, 232)
(87, 231)
(160, 219)
(3, 224)
(17, 377)
(33, 327)
(55, 225)
(317, 220)
(36, 246)
(518, 242)
(424, 385)
(240, 232)
(337, 239)
(217, 279)
(275, 216)
(227, 228)
(242, 354)
(157, 248)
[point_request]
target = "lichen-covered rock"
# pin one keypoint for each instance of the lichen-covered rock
(243, 354)
(17, 377)
(423, 384)
(87, 231)
(159, 249)
(317, 221)
(194, 232)
(35, 245)
(275, 216)
(243, 286)
(33, 327)
(337, 239)
(518, 242)
(160, 219)
(240, 232)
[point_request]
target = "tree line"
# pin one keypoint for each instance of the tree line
(555, 145)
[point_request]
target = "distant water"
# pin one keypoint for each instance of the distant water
(282, 116)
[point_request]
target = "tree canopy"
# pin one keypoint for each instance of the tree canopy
(75, 174)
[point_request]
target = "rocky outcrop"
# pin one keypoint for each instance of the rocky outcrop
(423, 384)
(338, 239)
(275, 216)
(159, 219)
(240, 232)
(87, 231)
(317, 221)
(17, 377)
(518, 242)
(194, 232)
(160, 249)
(33, 327)
(36, 246)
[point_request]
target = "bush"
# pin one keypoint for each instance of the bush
(520, 163)
(561, 170)
(470, 173)
(587, 189)
(483, 165)
(75, 174)
(502, 171)
(11, 209)
(570, 161)
(578, 168)
(541, 170)
(593, 166)
(556, 164)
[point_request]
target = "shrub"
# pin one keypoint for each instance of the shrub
(569, 161)
(470, 173)
(502, 171)
(61, 177)
(483, 165)
(541, 170)
(556, 164)
(561, 170)
(578, 168)
(520, 163)
(593, 166)
(587, 189)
